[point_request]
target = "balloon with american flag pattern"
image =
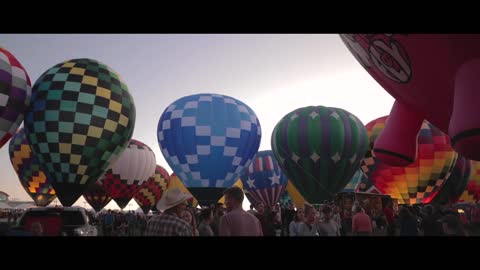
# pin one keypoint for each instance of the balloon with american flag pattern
(264, 179)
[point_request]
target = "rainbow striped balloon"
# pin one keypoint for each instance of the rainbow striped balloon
(420, 181)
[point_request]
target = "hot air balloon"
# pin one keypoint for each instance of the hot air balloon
(319, 149)
(124, 177)
(264, 179)
(432, 77)
(15, 94)
(472, 191)
(175, 182)
(208, 140)
(151, 191)
(96, 196)
(420, 181)
(456, 184)
(81, 119)
(355, 181)
(30, 174)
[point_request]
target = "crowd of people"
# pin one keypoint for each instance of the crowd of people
(113, 223)
(177, 218)
(11, 216)
(328, 219)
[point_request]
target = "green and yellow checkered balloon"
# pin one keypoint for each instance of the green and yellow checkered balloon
(80, 120)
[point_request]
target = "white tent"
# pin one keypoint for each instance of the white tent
(139, 210)
(5, 206)
(25, 206)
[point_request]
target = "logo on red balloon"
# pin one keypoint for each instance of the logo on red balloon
(382, 52)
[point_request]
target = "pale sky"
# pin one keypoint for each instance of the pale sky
(273, 74)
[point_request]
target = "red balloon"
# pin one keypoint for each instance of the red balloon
(431, 76)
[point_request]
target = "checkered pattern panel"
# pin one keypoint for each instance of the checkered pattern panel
(29, 172)
(15, 94)
(419, 182)
(136, 164)
(472, 191)
(81, 118)
(119, 190)
(151, 191)
(208, 139)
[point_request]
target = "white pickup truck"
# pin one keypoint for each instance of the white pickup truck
(57, 221)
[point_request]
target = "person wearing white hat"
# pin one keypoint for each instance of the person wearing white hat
(169, 222)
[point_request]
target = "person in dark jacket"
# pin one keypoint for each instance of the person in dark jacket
(408, 223)
(430, 224)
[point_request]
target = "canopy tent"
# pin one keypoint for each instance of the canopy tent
(25, 206)
(5, 206)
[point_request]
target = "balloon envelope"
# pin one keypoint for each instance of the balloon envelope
(456, 184)
(264, 179)
(151, 191)
(96, 196)
(208, 140)
(434, 75)
(319, 149)
(417, 182)
(15, 94)
(472, 191)
(30, 174)
(81, 119)
(124, 177)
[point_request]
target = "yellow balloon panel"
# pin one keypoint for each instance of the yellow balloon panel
(175, 182)
(297, 198)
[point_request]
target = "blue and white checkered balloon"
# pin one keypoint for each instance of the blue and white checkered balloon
(208, 139)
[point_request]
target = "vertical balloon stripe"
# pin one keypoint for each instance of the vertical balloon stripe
(303, 137)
